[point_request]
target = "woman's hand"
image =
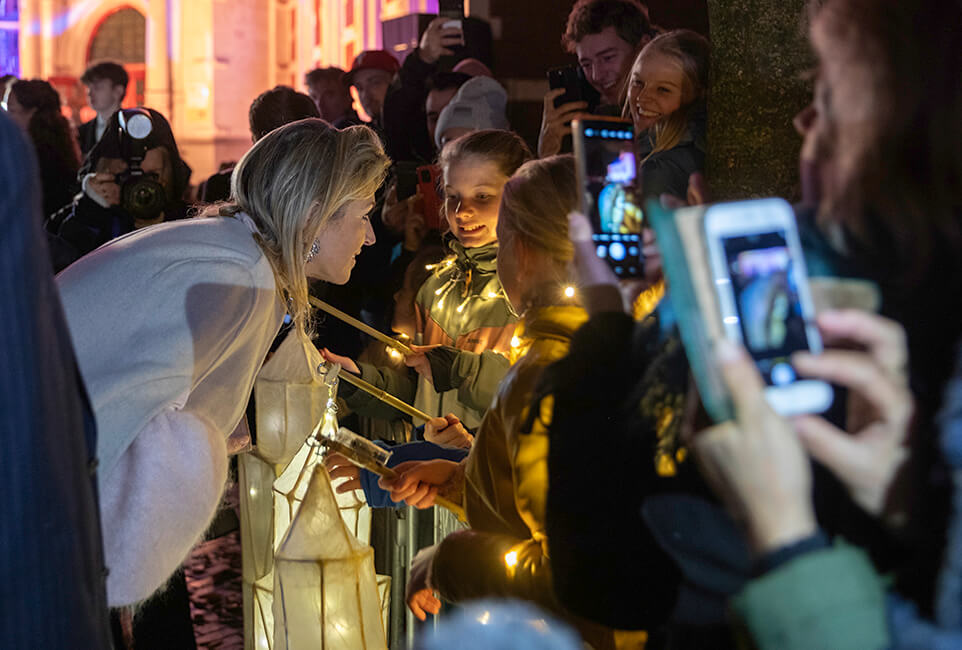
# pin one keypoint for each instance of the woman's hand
(345, 362)
(419, 481)
(556, 122)
(448, 431)
(418, 593)
(339, 466)
(757, 464)
(419, 360)
(589, 268)
(592, 271)
(869, 457)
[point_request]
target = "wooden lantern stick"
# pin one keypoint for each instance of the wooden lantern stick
(364, 327)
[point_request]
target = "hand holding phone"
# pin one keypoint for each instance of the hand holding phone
(439, 39)
(762, 289)
(607, 174)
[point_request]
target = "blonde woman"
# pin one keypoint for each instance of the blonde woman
(171, 324)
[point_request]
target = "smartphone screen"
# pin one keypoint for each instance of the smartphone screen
(769, 310)
(608, 171)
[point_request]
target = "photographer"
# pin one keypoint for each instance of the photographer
(128, 183)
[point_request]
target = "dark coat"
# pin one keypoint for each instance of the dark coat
(667, 172)
(52, 574)
(87, 136)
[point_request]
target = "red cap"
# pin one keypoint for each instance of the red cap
(372, 60)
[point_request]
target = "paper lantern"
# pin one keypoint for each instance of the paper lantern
(294, 394)
(325, 589)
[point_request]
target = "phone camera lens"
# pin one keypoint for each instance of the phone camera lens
(782, 374)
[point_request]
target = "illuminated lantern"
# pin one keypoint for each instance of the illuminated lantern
(293, 398)
(325, 590)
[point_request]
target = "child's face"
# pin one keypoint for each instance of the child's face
(654, 90)
(472, 192)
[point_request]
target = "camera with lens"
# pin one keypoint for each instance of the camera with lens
(141, 194)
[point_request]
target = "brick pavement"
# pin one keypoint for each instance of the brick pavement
(213, 573)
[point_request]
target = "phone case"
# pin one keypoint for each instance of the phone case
(694, 306)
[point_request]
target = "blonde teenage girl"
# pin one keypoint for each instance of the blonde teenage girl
(666, 102)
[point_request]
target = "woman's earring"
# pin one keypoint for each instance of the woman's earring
(315, 249)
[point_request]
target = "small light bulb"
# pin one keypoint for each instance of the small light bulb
(428, 267)
(569, 292)
(492, 294)
(511, 559)
(461, 307)
(515, 342)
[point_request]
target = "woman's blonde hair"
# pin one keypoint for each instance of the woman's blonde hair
(292, 182)
(690, 51)
(534, 211)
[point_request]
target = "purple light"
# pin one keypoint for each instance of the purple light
(9, 37)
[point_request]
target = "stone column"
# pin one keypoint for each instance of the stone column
(157, 94)
(759, 54)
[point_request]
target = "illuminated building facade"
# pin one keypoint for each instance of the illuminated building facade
(199, 62)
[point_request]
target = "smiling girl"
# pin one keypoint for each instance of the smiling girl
(464, 323)
(666, 95)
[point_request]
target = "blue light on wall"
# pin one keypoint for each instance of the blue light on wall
(9, 37)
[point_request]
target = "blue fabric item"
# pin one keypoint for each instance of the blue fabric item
(418, 450)
(504, 624)
(52, 574)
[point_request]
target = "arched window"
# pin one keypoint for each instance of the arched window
(122, 36)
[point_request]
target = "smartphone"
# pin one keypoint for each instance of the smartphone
(405, 173)
(570, 78)
(758, 267)
(607, 175)
(429, 177)
(453, 9)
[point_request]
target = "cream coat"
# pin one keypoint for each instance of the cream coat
(170, 325)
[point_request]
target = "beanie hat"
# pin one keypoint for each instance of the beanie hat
(479, 104)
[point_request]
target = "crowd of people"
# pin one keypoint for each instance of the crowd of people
(563, 416)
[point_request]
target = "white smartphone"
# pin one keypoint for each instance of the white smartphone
(762, 287)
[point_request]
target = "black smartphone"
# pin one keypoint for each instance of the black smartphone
(569, 77)
(607, 175)
(453, 9)
(405, 173)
